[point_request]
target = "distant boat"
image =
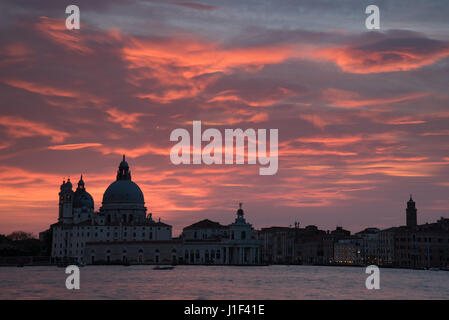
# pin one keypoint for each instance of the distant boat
(434, 269)
(163, 268)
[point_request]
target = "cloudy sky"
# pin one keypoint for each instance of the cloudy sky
(363, 116)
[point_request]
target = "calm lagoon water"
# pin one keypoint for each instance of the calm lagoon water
(218, 282)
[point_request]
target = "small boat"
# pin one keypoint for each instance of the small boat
(434, 269)
(163, 268)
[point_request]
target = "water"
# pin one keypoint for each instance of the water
(218, 282)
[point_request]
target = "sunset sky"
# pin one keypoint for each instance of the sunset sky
(363, 116)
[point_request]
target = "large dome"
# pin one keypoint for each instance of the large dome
(123, 191)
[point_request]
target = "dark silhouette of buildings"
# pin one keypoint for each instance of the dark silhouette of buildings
(409, 246)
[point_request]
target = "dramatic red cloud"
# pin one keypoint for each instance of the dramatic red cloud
(125, 119)
(40, 88)
(180, 63)
(383, 59)
(20, 128)
(331, 141)
(136, 152)
(265, 100)
(354, 139)
(56, 30)
(74, 146)
(348, 99)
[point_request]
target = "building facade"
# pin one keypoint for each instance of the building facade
(122, 231)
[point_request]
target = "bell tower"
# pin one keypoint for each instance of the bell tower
(66, 202)
(411, 213)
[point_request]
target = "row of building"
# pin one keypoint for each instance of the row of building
(122, 232)
(410, 246)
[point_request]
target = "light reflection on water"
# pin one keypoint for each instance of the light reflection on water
(218, 282)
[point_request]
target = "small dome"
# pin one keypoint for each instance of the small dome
(82, 199)
(123, 191)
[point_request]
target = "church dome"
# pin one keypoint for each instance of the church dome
(123, 190)
(82, 198)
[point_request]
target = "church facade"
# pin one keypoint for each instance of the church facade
(122, 231)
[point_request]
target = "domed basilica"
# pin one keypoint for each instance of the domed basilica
(122, 232)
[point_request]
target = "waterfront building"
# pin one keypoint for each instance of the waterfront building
(348, 251)
(385, 247)
(278, 244)
(329, 241)
(415, 246)
(296, 245)
(122, 231)
(209, 242)
(369, 244)
(423, 246)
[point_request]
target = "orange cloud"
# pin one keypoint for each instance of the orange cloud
(331, 141)
(353, 60)
(136, 152)
(15, 53)
(20, 128)
(74, 146)
(348, 99)
(323, 120)
(265, 100)
(56, 30)
(179, 63)
(436, 133)
(125, 119)
(41, 89)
